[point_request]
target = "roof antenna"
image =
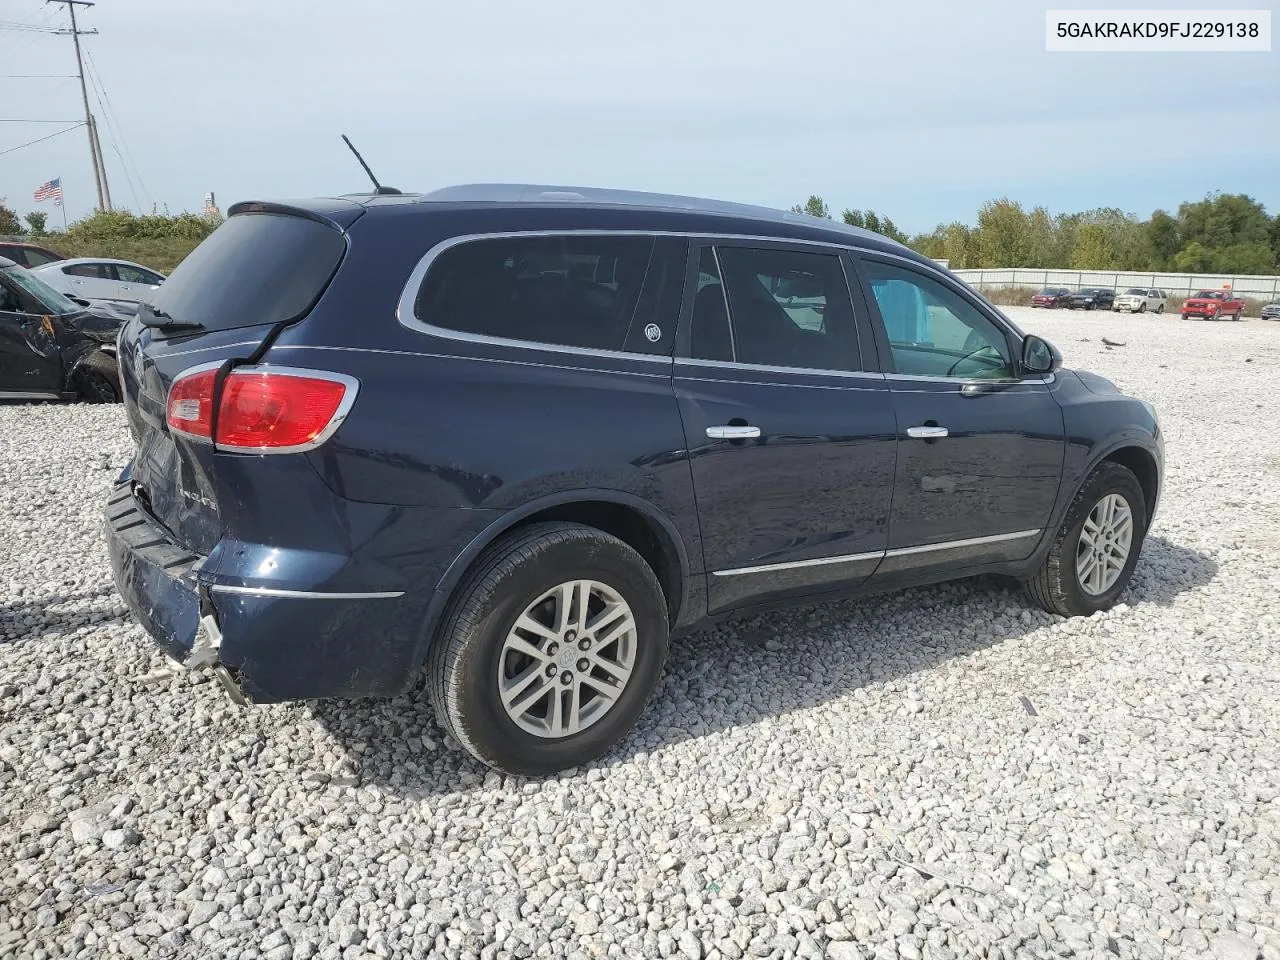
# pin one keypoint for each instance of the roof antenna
(377, 187)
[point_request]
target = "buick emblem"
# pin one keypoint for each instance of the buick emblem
(653, 333)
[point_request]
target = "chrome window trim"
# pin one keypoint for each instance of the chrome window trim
(476, 359)
(881, 554)
(302, 594)
(409, 294)
(724, 295)
(769, 368)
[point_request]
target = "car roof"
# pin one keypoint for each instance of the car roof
(785, 224)
(72, 261)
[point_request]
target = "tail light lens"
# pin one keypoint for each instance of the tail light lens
(261, 410)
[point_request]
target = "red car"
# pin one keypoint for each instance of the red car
(1051, 297)
(28, 254)
(1213, 305)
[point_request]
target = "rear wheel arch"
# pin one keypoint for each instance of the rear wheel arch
(634, 521)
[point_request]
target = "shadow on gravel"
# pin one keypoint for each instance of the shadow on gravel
(33, 619)
(744, 670)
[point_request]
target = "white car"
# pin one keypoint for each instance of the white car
(98, 278)
(1140, 300)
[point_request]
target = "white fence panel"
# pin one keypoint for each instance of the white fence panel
(1175, 284)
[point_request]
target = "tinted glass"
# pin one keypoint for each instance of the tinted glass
(577, 291)
(136, 275)
(37, 257)
(933, 330)
(96, 271)
(786, 309)
(256, 268)
(709, 334)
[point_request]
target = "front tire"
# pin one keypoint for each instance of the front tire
(1092, 557)
(1142, 308)
(550, 649)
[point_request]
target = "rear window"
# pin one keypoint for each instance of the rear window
(577, 291)
(256, 268)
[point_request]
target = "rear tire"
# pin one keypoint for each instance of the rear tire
(522, 578)
(1060, 585)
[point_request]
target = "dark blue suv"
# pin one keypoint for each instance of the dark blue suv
(518, 437)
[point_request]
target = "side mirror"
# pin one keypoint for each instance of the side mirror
(1039, 356)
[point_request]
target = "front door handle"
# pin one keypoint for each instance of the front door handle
(926, 433)
(733, 433)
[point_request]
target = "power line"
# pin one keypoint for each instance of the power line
(31, 27)
(76, 126)
(11, 51)
(31, 120)
(37, 76)
(95, 82)
(113, 123)
(95, 147)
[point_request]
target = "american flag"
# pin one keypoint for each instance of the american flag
(51, 190)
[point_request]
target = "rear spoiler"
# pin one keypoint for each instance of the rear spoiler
(335, 213)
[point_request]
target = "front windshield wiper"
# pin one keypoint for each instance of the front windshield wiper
(167, 324)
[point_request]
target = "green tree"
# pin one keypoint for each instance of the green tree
(10, 225)
(870, 220)
(36, 220)
(960, 246)
(1193, 258)
(1040, 238)
(1245, 258)
(1093, 249)
(1162, 236)
(1223, 220)
(1002, 235)
(815, 206)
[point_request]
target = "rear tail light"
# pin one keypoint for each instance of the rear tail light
(261, 409)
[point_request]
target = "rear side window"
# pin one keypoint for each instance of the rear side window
(95, 271)
(773, 307)
(575, 291)
(256, 268)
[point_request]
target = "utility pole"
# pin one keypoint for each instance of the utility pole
(95, 147)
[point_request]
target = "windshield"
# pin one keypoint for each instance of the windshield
(50, 299)
(1135, 292)
(1209, 295)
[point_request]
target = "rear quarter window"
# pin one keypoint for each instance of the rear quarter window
(576, 291)
(257, 268)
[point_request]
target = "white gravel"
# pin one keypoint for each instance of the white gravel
(939, 773)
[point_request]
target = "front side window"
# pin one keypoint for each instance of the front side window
(773, 307)
(933, 331)
(576, 291)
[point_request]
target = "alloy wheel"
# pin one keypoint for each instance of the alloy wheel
(1105, 542)
(567, 659)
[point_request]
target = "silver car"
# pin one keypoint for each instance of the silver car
(1140, 300)
(100, 278)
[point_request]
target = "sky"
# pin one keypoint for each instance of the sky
(918, 109)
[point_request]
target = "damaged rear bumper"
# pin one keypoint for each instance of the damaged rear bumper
(265, 643)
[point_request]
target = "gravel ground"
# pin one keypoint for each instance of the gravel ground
(939, 773)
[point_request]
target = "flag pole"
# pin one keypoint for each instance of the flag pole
(64, 210)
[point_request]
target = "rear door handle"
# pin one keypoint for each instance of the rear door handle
(733, 433)
(926, 433)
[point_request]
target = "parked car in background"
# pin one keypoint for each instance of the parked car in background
(1092, 298)
(642, 433)
(100, 279)
(52, 348)
(27, 254)
(1051, 297)
(1140, 300)
(1213, 305)
(1271, 311)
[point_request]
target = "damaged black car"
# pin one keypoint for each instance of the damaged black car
(53, 347)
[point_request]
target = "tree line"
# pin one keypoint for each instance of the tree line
(1223, 233)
